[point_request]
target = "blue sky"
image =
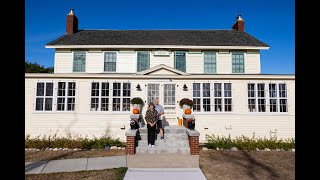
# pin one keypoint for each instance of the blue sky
(271, 21)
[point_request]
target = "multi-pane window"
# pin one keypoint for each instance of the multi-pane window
(44, 96)
(180, 60)
(283, 98)
(209, 61)
(237, 62)
(261, 98)
(257, 97)
(169, 94)
(222, 97)
(221, 100)
(99, 96)
(121, 96)
(227, 97)
(206, 101)
(251, 98)
(66, 96)
(126, 93)
(273, 97)
(143, 60)
(116, 104)
(79, 62)
(196, 97)
(153, 92)
(110, 61)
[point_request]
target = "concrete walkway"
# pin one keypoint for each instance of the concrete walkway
(99, 163)
(164, 173)
(69, 165)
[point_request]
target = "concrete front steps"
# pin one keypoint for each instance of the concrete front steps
(174, 153)
(166, 160)
(176, 141)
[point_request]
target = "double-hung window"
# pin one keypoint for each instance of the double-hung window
(237, 62)
(273, 97)
(110, 61)
(180, 60)
(221, 101)
(66, 96)
(222, 97)
(277, 100)
(121, 96)
(283, 98)
(99, 96)
(79, 61)
(44, 96)
(209, 62)
(143, 60)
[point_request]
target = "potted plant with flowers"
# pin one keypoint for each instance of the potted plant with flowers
(136, 102)
(186, 105)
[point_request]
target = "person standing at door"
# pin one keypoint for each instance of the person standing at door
(151, 118)
(160, 111)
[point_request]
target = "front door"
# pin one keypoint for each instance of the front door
(166, 92)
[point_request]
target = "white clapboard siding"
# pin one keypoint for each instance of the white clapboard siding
(224, 62)
(94, 62)
(252, 62)
(126, 61)
(194, 62)
(166, 60)
(84, 122)
(63, 62)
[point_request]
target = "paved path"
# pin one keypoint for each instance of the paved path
(99, 163)
(69, 165)
(164, 173)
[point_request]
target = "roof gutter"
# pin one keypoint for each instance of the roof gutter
(155, 46)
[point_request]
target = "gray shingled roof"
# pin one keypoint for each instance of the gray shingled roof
(159, 37)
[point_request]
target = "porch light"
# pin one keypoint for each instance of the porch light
(185, 88)
(138, 87)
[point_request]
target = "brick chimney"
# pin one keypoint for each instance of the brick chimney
(72, 23)
(239, 24)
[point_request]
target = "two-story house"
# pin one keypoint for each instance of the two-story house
(97, 72)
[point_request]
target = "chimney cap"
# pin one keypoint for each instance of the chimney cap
(71, 11)
(239, 18)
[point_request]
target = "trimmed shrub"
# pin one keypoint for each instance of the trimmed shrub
(246, 143)
(71, 143)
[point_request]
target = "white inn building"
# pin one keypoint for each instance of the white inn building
(97, 72)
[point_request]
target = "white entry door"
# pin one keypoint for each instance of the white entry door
(166, 92)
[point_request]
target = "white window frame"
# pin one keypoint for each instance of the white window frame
(44, 97)
(173, 105)
(104, 61)
(66, 96)
(286, 97)
(100, 97)
(175, 62)
(121, 97)
(267, 98)
(212, 99)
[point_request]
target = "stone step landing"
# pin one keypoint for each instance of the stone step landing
(171, 160)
